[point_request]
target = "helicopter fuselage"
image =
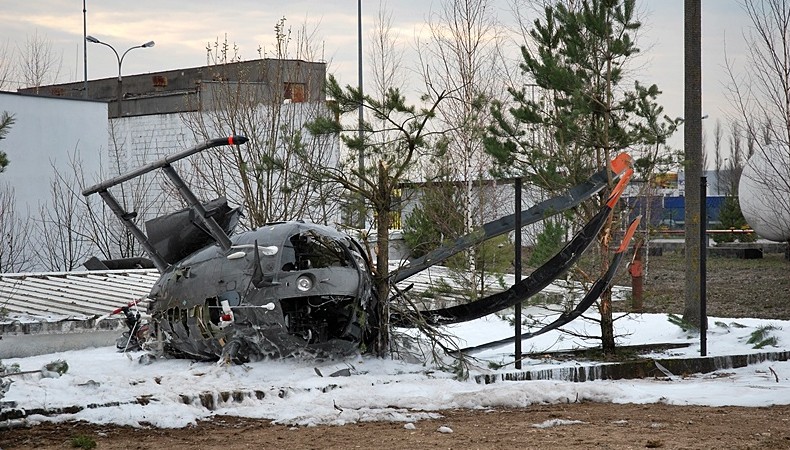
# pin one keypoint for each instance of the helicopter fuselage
(281, 289)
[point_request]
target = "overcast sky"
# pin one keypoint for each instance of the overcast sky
(182, 29)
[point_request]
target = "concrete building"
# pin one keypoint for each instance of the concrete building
(145, 117)
(48, 137)
(194, 89)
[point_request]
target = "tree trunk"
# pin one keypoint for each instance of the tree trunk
(382, 206)
(607, 323)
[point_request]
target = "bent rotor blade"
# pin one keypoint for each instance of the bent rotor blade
(540, 211)
(535, 282)
(601, 284)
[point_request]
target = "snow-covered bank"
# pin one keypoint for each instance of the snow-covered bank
(174, 393)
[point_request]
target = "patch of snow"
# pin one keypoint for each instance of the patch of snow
(556, 423)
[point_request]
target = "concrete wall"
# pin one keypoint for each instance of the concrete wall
(46, 134)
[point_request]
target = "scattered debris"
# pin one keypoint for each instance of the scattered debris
(555, 423)
(52, 370)
(665, 371)
(338, 373)
(775, 374)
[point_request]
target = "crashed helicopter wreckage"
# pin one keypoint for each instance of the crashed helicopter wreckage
(295, 288)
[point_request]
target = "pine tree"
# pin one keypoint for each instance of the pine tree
(436, 218)
(732, 218)
(392, 141)
(586, 111)
(6, 120)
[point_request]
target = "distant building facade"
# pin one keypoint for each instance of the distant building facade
(191, 89)
(148, 116)
(47, 135)
(156, 114)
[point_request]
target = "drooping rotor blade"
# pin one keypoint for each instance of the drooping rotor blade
(536, 281)
(540, 211)
(128, 217)
(601, 284)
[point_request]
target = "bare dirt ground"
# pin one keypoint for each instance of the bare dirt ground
(604, 426)
(758, 288)
(736, 288)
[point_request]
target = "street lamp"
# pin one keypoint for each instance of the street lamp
(93, 40)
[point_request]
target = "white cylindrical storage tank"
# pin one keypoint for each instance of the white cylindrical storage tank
(764, 192)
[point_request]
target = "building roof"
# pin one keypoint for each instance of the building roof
(88, 294)
(73, 294)
(179, 90)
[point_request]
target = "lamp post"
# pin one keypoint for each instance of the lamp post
(85, 49)
(120, 62)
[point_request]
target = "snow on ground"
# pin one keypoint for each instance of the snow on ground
(167, 393)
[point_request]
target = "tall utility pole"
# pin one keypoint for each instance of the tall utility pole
(361, 156)
(85, 48)
(692, 140)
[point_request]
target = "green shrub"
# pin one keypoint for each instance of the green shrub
(83, 441)
(731, 218)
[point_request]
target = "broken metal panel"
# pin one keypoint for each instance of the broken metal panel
(177, 235)
(547, 208)
(313, 292)
(199, 213)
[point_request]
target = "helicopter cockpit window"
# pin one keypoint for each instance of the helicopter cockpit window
(311, 251)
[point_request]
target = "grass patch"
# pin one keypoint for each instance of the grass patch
(83, 441)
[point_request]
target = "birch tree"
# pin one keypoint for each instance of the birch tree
(39, 64)
(264, 175)
(760, 93)
(462, 53)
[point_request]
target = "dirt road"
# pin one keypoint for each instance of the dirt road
(575, 426)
